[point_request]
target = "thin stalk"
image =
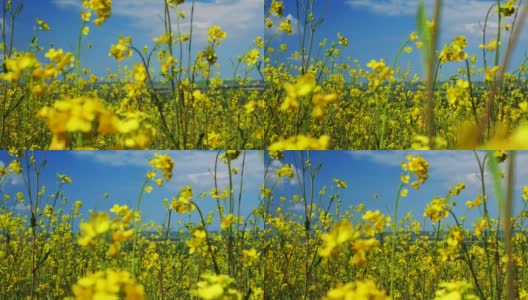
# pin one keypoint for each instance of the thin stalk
(508, 210)
(429, 106)
(394, 238)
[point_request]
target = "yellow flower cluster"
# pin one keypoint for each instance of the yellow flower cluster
(121, 50)
(418, 166)
(454, 51)
(164, 163)
(182, 204)
(85, 115)
(100, 223)
(301, 142)
(305, 85)
(216, 35)
(457, 189)
(458, 95)
(109, 284)
(491, 46)
(16, 65)
(340, 234)
(277, 8)
(286, 170)
(437, 209)
(340, 183)
(455, 290)
(381, 73)
(376, 222)
(359, 290)
(43, 25)
(251, 57)
(102, 8)
(77, 115)
(216, 287)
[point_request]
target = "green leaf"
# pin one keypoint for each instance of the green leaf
(493, 164)
(423, 31)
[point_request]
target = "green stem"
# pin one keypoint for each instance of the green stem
(394, 237)
(138, 203)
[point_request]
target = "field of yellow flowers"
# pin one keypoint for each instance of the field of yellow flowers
(52, 250)
(326, 249)
(318, 98)
(57, 103)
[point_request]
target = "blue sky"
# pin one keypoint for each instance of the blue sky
(142, 20)
(121, 174)
(378, 172)
(377, 28)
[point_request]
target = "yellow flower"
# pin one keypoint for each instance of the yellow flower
(64, 178)
(340, 234)
(43, 25)
(213, 287)
(163, 39)
(491, 46)
(525, 193)
(164, 163)
(301, 142)
(99, 223)
(340, 183)
(121, 50)
(213, 140)
(216, 35)
(405, 178)
(360, 290)
(227, 221)
(454, 51)
(108, 284)
(490, 73)
(276, 8)
(102, 8)
(437, 209)
(252, 56)
(285, 26)
(286, 170)
(342, 40)
(85, 15)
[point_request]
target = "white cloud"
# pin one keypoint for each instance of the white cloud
(117, 158)
(22, 207)
(459, 17)
(449, 168)
(190, 167)
(297, 207)
(241, 19)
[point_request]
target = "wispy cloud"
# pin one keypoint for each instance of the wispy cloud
(190, 167)
(459, 17)
(448, 168)
(236, 17)
(116, 158)
(22, 207)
